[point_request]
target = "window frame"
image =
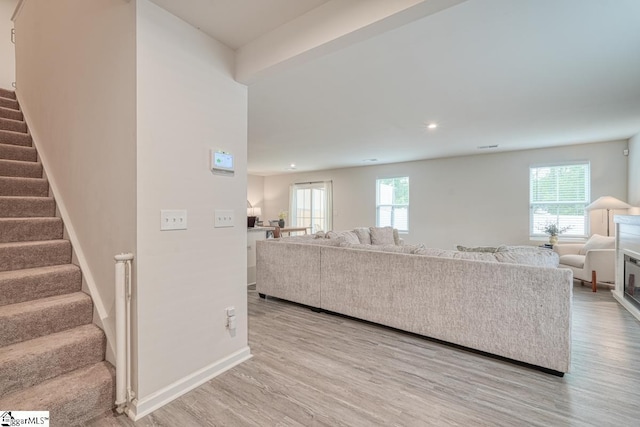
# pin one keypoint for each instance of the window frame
(539, 234)
(393, 206)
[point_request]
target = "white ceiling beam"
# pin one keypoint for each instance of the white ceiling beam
(325, 29)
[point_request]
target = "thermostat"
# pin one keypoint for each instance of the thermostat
(222, 163)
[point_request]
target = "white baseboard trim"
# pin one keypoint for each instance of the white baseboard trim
(144, 406)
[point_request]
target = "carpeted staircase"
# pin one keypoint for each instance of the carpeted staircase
(51, 354)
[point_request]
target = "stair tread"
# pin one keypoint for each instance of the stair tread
(34, 243)
(33, 361)
(36, 253)
(26, 206)
(40, 282)
(20, 168)
(7, 93)
(15, 138)
(18, 152)
(30, 229)
(39, 317)
(69, 397)
(7, 123)
(19, 186)
(33, 219)
(42, 303)
(37, 271)
(45, 343)
(10, 113)
(20, 178)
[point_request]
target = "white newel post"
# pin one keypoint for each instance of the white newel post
(124, 393)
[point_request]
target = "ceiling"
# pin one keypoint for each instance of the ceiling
(516, 74)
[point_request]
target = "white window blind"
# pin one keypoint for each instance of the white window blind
(559, 195)
(311, 206)
(392, 203)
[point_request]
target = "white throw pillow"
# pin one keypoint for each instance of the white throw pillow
(598, 242)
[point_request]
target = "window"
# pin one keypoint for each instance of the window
(392, 203)
(559, 195)
(311, 206)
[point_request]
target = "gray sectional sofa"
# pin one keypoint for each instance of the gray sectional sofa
(498, 306)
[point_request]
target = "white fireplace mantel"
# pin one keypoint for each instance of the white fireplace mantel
(627, 243)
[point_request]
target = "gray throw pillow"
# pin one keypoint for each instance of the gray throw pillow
(364, 236)
(382, 236)
(490, 249)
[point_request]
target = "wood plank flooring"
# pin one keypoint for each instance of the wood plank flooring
(316, 369)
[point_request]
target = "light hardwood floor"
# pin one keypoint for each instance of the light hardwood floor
(316, 369)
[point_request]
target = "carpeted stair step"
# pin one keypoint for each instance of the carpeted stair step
(9, 103)
(20, 206)
(31, 362)
(34, 283)
(30, 229)
(13, 125)
(15, 186)
(17, 168)
(6, 93)
(15, 138)
(22, 255)
(32, 319)
(72, 399)
(8, 113)
(18, 152)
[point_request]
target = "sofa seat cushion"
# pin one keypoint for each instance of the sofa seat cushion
(573, 260)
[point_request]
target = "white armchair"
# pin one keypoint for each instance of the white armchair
(592, 261)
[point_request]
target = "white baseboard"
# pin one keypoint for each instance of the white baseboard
(144, 406)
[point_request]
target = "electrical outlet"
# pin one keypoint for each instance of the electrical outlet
(224, 218)
(173, 219)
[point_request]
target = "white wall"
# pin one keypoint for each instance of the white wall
(75, 63)
(188, 103)
(7, 49)
(472, 200)
(634, 174)
(255, 190)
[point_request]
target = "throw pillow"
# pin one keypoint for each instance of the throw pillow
(348, 236)
(490, 249)
(320, 235)
(364, 236)
(396, 237)
(598, 242)
(382, 236)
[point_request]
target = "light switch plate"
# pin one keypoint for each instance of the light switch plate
(224, 218)
(172, 219)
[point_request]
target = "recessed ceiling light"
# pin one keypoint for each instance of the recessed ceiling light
(432, 125)
(292, 165)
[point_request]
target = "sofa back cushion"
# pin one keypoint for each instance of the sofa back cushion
(598, 242)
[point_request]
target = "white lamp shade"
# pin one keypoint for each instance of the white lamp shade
(607, 202)
(254, 211)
